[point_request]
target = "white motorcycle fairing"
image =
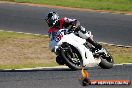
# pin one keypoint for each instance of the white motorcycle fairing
(77, 42)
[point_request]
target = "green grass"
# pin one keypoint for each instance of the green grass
(115, 5)
(29, 65)
(20, 50)
(8, 0)
(11, 35)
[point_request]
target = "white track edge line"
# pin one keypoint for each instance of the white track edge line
(54, 67)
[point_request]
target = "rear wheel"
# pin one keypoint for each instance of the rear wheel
(107, 60)
(71, 56)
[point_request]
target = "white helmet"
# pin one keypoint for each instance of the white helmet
(52, 18)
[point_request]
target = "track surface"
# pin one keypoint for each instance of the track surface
(62, 78)
(106, 27)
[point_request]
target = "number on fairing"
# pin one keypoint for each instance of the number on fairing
(60, 34)
(59, 37)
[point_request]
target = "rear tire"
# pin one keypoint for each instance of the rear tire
(107, 62)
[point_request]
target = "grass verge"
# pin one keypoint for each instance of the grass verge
(27, 51)
(115, 5)
(24, 51)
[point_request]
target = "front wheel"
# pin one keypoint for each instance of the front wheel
(107, 60)
(71, 56)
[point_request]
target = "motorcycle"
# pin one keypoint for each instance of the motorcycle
(76, 52)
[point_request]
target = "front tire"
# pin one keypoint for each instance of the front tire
(75, 63)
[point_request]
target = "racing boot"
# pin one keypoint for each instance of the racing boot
(95, 44)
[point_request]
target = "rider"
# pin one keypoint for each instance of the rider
(55, 23)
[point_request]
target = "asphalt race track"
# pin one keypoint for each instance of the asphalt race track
(106, 27)
(63, 78)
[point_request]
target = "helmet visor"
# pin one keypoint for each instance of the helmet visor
(50, 22)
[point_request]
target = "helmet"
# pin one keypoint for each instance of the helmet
(52, 19)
